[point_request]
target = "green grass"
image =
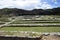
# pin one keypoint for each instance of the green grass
(36, 29)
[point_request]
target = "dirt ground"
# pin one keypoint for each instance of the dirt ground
(51, 37)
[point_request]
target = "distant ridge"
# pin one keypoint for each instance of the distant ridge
(18, 12)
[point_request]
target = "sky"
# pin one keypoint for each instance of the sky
(29, 4)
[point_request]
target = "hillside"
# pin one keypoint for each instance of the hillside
(18, 12)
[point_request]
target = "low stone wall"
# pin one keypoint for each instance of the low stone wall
(17, 38)
(42, 37)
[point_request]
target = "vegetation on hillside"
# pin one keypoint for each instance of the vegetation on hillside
(17, 12)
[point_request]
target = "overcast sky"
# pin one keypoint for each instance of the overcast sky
(29, 4)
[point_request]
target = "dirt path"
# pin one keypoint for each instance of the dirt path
(7, 23)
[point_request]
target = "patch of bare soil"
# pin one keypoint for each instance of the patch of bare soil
(51, 37)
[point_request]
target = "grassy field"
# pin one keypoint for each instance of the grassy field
(36, 29)
(36, 19)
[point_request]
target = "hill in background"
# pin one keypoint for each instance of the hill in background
(18, 12)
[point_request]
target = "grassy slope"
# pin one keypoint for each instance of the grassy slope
(37, 29)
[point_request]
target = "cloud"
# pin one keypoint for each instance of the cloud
(24, 4)
(55, 1)
(45, 5)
